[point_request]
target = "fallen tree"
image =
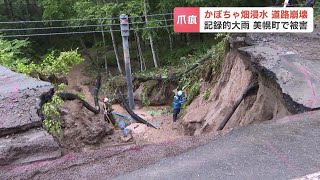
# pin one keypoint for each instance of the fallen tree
(133, 115)
(245, 93)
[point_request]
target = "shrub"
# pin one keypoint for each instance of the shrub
(11, 53)
(52, 117)
(52, 64)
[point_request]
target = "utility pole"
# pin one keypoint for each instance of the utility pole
(124, 25)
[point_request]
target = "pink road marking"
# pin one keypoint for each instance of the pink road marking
(279, 154)
(67, 157)
(307, 76)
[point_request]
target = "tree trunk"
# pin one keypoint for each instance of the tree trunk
(27, 9)
(150, 36)
(83, 44)
(115, 48)
(157, 52)
(201, 37)
(9, 9)
(94, 38)
(188, 38)
(137, 50)
(105, 56)
(169, 33)
(142, 61)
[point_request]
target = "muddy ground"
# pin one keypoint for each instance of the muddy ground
(83, 130)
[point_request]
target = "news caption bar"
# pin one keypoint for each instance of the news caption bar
(251, 20)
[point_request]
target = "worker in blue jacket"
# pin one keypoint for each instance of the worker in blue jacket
(178, 100)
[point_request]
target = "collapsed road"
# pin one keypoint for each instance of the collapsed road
(281, 148)
(22, 138)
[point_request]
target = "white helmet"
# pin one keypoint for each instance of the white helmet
(179, 93)
(106, 100)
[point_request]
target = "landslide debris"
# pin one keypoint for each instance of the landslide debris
(285, 66)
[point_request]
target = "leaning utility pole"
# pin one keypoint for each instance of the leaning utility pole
(125, 36)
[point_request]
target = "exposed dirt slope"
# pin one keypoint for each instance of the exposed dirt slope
(206, 116)
(285, 66)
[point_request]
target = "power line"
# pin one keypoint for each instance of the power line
(55, 20)
(155, 27)
(151, 15)
(66, 20)
(151, 21)
(53, 27)
(82, 32)
(79, 26)
(49, 34)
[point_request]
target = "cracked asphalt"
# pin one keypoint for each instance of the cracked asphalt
(284, 149)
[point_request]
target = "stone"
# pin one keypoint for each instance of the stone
(137, 128)
(95, 133)
(126, 138)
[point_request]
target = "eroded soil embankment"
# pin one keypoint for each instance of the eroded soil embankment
(237, 75)
(286, 78)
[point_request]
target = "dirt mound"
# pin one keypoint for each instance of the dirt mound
(82, 127)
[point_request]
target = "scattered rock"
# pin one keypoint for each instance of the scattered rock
(126, 138)
(95, 132)
(137, 128)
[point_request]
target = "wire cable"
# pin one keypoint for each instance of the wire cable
(79, 26)
(82, 32)
(66, 20)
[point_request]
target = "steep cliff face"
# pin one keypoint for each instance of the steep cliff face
(285, 69)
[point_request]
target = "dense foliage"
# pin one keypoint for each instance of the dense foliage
(11, 52)
(93, 11)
